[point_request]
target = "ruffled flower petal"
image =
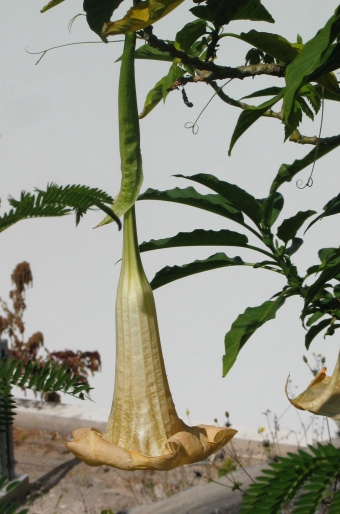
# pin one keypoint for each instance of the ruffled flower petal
(193, 444)
(322, 396)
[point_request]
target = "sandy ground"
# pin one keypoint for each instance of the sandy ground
(59, 483)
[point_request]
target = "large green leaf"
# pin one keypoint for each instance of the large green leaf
(249, 116)
(198, 237)
(332, 207)
(289, 227)
(222, 12)
(189, 196)
(153, 98)
(187, 36)
(308, 60)
(171, 273)
(288, 171)
(272, 44)
(245, 326)
(234, 195)
(315, 330)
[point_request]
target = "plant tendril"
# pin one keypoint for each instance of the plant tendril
(309, 182)
(193, 125)
(73, 20)
(43, 52)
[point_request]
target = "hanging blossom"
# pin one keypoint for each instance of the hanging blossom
(322, 396)
(143, 430)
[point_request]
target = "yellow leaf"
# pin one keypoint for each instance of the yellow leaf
(140, 16)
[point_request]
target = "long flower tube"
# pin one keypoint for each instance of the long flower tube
(322, 396)
(143, 430)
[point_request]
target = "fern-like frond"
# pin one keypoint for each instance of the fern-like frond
(57, 201)
(309, 474)
(45, 379)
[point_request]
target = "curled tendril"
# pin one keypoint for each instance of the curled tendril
(310, 182)
(43, 52)
(73, 20)
(193, 125)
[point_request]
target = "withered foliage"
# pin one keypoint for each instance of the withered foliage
(12, 326)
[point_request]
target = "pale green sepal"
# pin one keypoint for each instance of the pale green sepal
(129, 136)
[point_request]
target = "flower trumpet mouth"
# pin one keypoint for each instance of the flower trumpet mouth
(143, 430)
(322, 396)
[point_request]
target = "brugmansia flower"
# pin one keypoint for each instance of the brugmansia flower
(322, 396)
(142, 15)
(143, 430)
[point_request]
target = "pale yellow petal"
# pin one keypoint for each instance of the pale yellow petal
(322, 396)
(186, 447)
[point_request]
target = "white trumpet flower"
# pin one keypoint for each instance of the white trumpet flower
(143, 430)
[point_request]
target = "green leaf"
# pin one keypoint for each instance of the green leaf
(328, 95)
(288, 171)
(328, 256)
(308, 60)
(289, 227)
(253, 10)
(244, 327)
(198, 237)
(187, 36)
(57, 201)
(189, 196)
(234, 195)
(51, 4)
(222, 12)
(302, 478)
(315, 330)
(153, 98)
(249, 116)
(272, 44)
(271, 208)
(150, 53)
(296, 244)
(314, 318)
(175, 73)
(332, 207)
(172, 273)
(99, 12)
(268, 91)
